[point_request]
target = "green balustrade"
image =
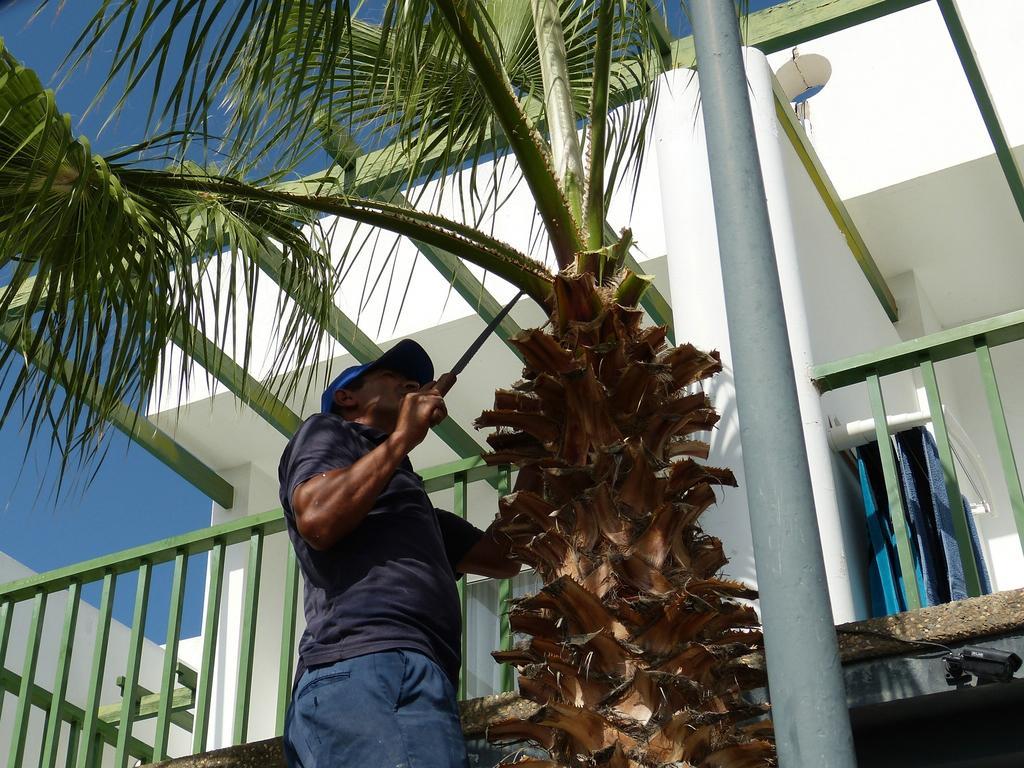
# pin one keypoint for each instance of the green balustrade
(921, 355)
(187, 700)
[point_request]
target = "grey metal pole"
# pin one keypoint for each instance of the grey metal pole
(812, 725)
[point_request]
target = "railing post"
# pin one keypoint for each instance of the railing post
(88, 752)
(168, 677)
(6, 619)
(131, 677)
(28, 674)
(1002, 432)
(60, 684)
(508, 681)
(461, 501)
(972, 580)
(812, 725)
(247, 643)
(211, 622)
(904, 547)
(284, 674)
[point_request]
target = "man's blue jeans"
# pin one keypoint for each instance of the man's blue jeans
(394, 709)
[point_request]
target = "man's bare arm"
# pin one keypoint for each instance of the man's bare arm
(490, 556)
(330, 505)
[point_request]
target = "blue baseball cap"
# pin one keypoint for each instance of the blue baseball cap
(406, 357)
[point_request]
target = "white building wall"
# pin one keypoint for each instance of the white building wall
(255, 492)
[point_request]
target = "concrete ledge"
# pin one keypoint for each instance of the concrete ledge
(477, 714)
(949, 624)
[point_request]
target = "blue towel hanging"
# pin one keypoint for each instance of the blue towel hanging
(929, 558)
(887, 595)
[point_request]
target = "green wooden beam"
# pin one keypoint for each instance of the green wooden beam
(969, 61)
(662, 34)
(833, 203)
(909, 354)
(147, 706)
(239, 382)
(787, 24)
(470, 288)
(135, 426)
(344, 149)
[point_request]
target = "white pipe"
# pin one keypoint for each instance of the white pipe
(845, 437)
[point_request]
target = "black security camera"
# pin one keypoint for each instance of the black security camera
(988, 665)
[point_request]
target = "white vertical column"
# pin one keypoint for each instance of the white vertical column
(255, 492)
(700, 314)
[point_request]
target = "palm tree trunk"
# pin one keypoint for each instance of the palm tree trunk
(639, 652)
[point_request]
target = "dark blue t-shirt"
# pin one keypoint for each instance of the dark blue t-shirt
(388, 584)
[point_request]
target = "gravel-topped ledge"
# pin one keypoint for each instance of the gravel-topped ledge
(950, 624)
(477, 714)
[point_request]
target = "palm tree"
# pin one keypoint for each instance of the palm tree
(638, 652)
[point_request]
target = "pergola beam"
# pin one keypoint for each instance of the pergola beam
(787, 24)
(240, 383)
(339, 145)
(835, 205)
(969, 62)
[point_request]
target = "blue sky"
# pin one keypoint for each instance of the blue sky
(133, 499)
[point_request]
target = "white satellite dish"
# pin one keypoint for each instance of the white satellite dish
(803, 76)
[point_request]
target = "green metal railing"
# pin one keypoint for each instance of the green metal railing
(922, 354)
(86, 732)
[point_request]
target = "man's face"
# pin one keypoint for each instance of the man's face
(378, 401)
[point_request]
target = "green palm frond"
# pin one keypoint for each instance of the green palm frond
(107, 263)
(103, 270)
(440, 84)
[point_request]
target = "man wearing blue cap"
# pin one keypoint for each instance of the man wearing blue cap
(379, 659)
